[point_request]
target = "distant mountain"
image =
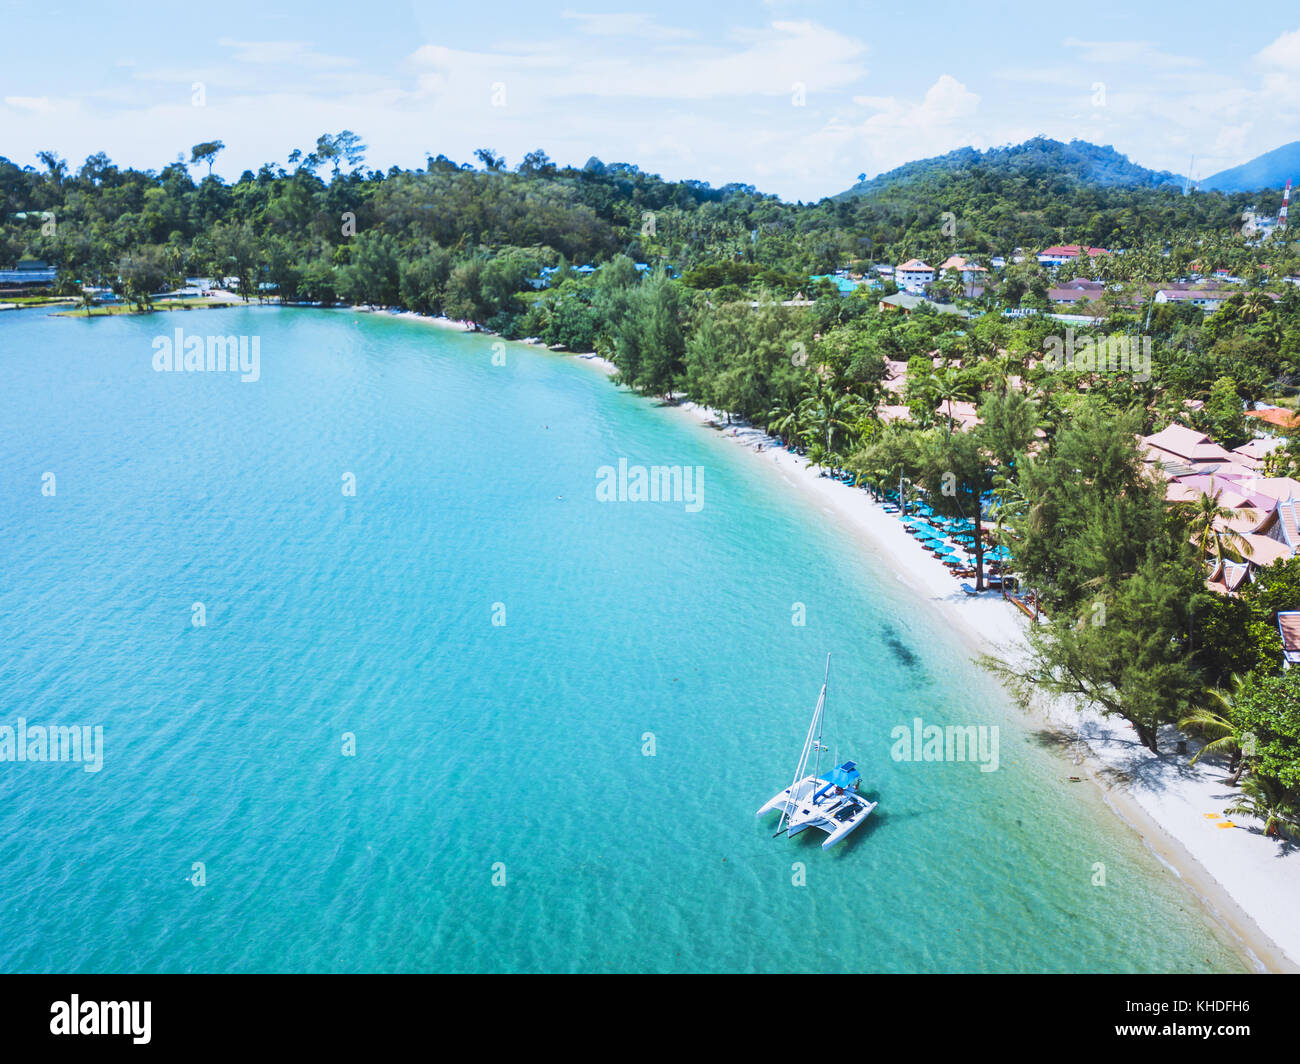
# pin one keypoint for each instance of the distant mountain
(1078, 161)
(1270, 170)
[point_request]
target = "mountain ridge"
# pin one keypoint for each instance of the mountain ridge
(1079, 160)
(1272, 169)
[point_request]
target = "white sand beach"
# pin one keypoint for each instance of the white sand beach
(1250, 883)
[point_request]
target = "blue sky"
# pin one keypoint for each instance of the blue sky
(796, 98)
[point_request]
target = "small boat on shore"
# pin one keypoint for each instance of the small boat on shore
(830, 803)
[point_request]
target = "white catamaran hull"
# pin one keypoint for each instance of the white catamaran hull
(835, 814)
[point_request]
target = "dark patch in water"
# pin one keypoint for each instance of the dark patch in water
(901, 650)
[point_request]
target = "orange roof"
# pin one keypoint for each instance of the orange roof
(956, 262)
(1283, 419)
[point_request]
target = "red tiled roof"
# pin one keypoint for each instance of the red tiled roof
(1283, 419)
(1072, 250)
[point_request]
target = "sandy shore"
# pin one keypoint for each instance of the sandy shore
(1249, 883)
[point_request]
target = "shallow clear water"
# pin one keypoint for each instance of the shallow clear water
(481, 744)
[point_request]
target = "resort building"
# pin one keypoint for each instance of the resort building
(907, 303)
(913, 276)
(895, 380)
(888, 412)
(28, 273)
(1253, 453)
(1278, 417)
(1080, 290)
(1288, 627)
(972, 275)
(1208, 298)
(1058, 254)
(1180, 450)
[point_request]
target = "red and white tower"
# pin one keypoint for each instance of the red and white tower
(1286, 198)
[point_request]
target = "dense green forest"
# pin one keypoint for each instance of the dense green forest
(692, 296)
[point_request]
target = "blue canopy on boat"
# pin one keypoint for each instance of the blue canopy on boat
(845, 775)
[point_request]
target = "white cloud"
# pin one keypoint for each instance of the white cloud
(283, 53)
(38, 104)
(765, 62)
(643, 27)
(1283, 52)
(1138, 55)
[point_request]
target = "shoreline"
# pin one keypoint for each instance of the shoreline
(1239, 877)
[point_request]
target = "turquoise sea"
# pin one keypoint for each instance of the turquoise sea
(500, 812)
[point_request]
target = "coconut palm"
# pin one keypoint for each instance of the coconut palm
(1266, 800)
(1216, 723)
(1255, 306)
(783, 421)
(827, 415)
(1207, 522)
(947, 389)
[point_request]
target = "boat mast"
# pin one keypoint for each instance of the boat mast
(813, 736)
(817, 762)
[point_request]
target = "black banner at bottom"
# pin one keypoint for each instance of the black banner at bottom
(338, 1013)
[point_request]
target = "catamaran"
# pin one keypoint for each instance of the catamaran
(830, 803)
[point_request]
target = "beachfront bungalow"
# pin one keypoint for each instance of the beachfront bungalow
(905, 302)
(1228, 578)
(1288, 627)
(1253, 453)
(1177, 447)
(972, 275)
(1281, 526)
(1209, 299)
(1058, 254)
(913, 276)
(1278, 417)
(895, 380)
(963, 414)
(1080, 290)
(888, 412)
(1226, 493)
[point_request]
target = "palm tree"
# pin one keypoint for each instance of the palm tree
(828, 414)
(1013, 507)
(1217, 724)
(1266, 800)
(783, 421)
(1255, 306)
(947, 389)
(1205, 517)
